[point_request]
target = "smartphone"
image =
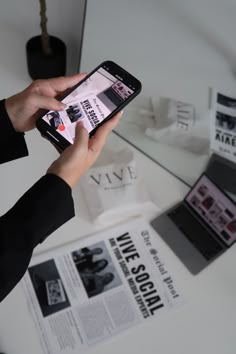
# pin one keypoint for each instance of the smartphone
(94, 100)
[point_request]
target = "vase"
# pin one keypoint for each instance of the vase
(45, 66)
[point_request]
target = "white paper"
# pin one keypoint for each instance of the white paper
(92, 289)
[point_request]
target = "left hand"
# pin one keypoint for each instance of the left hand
(24, 107)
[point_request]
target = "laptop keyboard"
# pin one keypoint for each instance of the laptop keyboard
(195, 232)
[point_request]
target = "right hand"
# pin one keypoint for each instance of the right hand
(77, 158)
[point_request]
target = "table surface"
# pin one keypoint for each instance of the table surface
(205, 324)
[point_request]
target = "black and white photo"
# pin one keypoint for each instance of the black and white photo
(223, 125)
(96, 269)
(48, 287)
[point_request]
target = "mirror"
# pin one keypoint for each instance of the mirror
(178, 49)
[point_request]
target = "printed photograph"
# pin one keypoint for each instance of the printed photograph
(54, 119)
(96, 269)
(74, 113)
(48, 287)
(226, 101)
(226, 121)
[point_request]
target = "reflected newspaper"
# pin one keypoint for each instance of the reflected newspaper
(94, 288)
(223, 125)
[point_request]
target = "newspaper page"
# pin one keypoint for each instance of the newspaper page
(90, 290)
(223, 125)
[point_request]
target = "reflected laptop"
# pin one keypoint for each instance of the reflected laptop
(201, 227)
(223, 172)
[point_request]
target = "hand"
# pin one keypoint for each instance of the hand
(24, 107)
(77, 158)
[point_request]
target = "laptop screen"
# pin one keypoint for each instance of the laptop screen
(215, 208)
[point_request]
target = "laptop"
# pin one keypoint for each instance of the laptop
(201, 227)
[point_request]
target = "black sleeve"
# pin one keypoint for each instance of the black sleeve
(39, 212)
(12, 144)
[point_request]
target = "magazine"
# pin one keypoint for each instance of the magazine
(92, 289)
(223, 125)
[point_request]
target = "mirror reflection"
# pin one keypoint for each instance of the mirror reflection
(180, 51)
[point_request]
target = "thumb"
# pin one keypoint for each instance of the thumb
(81, 136)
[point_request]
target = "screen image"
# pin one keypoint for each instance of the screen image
(91, 102)
(215, 208)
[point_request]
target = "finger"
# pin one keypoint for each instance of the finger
(97, 142)
(107, 127)
(81, 136)
(45, 102)
(61, 84)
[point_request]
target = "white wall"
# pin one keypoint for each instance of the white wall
(178, 48)
(64, 21)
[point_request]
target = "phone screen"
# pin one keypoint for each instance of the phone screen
(91, 102)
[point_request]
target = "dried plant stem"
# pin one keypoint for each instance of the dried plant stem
(44, 32)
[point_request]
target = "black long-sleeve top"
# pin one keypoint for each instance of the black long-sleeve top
(41, 210)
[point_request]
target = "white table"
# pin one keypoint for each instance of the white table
(205, 324)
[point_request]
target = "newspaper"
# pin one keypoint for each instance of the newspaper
(223, 125)
(90, 290)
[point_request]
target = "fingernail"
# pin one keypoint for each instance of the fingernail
(62, 105)
(120, 114)
(80, 124)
